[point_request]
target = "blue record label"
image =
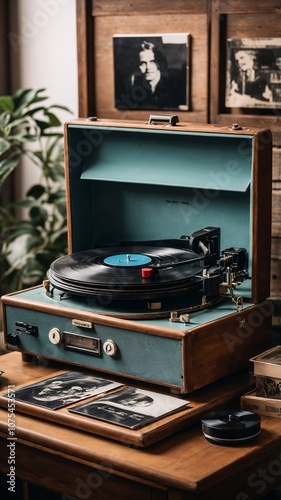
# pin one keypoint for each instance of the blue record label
(127, 260)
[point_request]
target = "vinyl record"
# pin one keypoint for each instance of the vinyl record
(126, 271)
(230, 427)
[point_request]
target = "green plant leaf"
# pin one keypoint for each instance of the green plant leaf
(7, 103)
(4, 121)
(43, 125)
(63, 108)
(33, 111)
(38, 215)
(45, 258)
(22, 137)
(53, 119)
(23, 203)
(60, 242)
(4, 145)
(36, 191)
(32, 242)
(15, 122)
(26, 97)
(31, 127)
(6, 168)
(18, 232)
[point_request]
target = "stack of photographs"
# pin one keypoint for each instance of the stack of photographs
(110, 401)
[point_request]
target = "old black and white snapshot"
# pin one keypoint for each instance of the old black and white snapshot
(253, 76)
(63, 389)
(130, 407)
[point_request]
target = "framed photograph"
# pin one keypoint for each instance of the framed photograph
(63, 389)
(152, 71)
(253, 75)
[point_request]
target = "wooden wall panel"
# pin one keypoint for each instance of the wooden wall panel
(276, 226)
(4, 50)
(147, 7)
(95, 51)
(106, 27)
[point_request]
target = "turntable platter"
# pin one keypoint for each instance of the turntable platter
(137, 271)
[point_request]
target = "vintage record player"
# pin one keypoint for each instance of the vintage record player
(168, 269)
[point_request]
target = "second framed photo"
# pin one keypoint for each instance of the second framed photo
(253, 76)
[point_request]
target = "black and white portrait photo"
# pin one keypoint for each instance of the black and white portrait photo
(130, 407)
(64, 389)
(151, 71)
(253, 77)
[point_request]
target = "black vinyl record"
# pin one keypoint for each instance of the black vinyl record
(126, 271)
(230, 427)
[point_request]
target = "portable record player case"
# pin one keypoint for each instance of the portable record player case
(145, 182)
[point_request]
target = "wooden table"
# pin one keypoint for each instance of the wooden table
(182, 466)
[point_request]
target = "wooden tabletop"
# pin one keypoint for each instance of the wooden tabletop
(185, 461)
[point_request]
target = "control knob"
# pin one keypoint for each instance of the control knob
(13, 338)
(55, 336)
(110, 347)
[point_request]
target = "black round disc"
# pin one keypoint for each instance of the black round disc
(106, 271)
(230, 426)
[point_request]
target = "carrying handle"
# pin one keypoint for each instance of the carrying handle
(171, 120)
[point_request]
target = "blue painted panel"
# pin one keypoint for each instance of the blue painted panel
(139, 184)
(170, 158)
(139, 355)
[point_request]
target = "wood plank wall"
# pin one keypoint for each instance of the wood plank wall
(276, 236)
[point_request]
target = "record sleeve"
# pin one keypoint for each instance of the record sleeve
(130, 407)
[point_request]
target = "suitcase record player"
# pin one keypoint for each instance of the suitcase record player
(168, 269)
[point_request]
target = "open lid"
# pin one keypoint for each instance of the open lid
(183, 159)
(132, 182)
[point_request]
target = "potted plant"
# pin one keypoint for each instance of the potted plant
(29, 242)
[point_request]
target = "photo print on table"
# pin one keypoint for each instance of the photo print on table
(130, 407)
(63, 389)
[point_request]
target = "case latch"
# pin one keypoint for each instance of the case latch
(236, 126)
(170, 119)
